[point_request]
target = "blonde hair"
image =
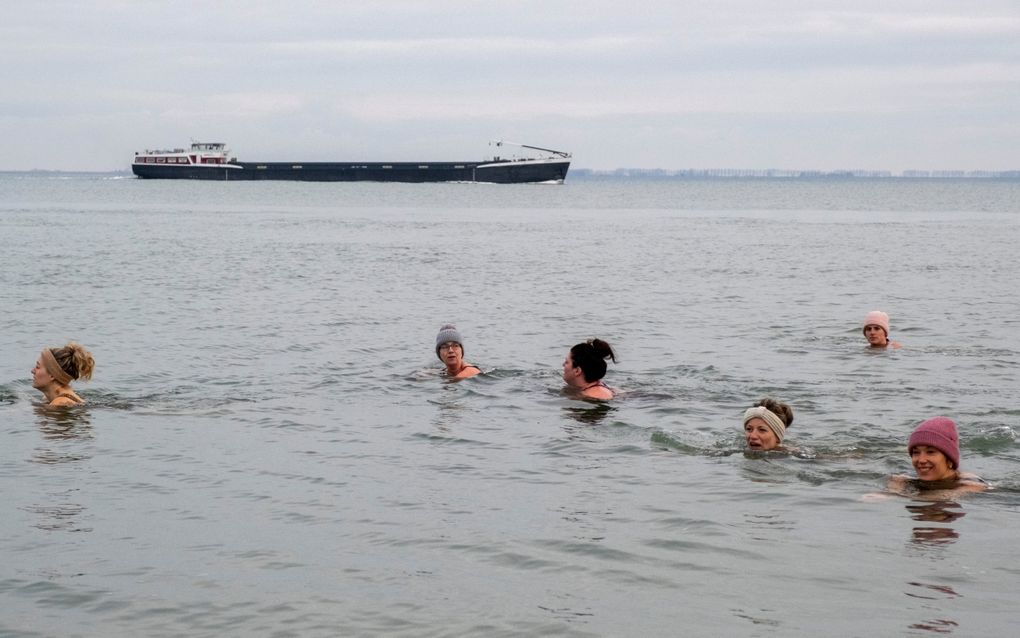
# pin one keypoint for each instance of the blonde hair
(75, 360)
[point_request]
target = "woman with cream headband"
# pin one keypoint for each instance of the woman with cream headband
(765, 424)
(56, 368)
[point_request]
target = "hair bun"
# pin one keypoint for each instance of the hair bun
(603, 349)
(82, 359)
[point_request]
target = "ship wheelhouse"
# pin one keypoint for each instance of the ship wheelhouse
(200, 154)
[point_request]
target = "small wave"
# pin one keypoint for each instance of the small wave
(1000, 438)
(7, 395)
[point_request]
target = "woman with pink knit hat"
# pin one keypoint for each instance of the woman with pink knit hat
(934, 449)
(876, 330)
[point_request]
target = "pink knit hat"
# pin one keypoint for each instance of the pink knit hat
(940, 433)
(877, 318)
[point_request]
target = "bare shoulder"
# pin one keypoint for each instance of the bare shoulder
(937, 490)
(972, 483)
(598, 392)
(64, 401)
(897, 483)
(468, 372)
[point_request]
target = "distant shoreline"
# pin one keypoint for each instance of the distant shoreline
(40, 172)
(774, 173)
(661, 174)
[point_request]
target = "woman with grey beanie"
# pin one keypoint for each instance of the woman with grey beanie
(450, 350)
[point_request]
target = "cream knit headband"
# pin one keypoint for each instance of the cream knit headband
(774, 422)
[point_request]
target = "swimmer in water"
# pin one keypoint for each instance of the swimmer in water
(56, 368)
(934, 450)
(876, 330)
(765, 424)
(585, 366)
(450, 350)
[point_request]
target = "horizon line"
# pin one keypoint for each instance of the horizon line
(680, 173)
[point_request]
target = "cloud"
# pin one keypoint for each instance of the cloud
(593, 74)
(474, 46)
(963, 25)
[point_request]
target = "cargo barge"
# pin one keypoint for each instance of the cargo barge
(213, 161)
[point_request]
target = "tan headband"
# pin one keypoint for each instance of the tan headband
(50, 363)
(774, 422)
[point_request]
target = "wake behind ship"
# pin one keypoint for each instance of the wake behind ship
(213, 161)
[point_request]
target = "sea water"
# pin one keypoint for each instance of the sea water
(269, 448)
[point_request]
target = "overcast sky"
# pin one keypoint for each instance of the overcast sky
(925, 84)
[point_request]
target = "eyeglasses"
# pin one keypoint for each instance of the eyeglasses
(449, 345)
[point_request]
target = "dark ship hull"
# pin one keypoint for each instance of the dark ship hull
(553, 170)
(213, 161)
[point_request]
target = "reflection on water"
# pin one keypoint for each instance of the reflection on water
(757, 617)
(928, 591)
(938, 626)
(588, 413)
(948, 591)
(49, 456)
(938, 512)
(67, 438)
(771, 526)
(63, 422)
(448, 414)
(59, 517)
(934, 535)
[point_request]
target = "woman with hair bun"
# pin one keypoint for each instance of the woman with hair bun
(585, 366)
(56, 368)
(765, 424)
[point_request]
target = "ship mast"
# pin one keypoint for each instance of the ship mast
(563, 154)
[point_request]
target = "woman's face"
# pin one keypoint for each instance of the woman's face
(570, 373)
(452, 354)
(930, 463)
(40, 378)
(759, 435)
(875, 335)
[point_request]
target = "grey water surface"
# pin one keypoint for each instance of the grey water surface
(269, 449)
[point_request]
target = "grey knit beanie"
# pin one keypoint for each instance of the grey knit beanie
(446, 334)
